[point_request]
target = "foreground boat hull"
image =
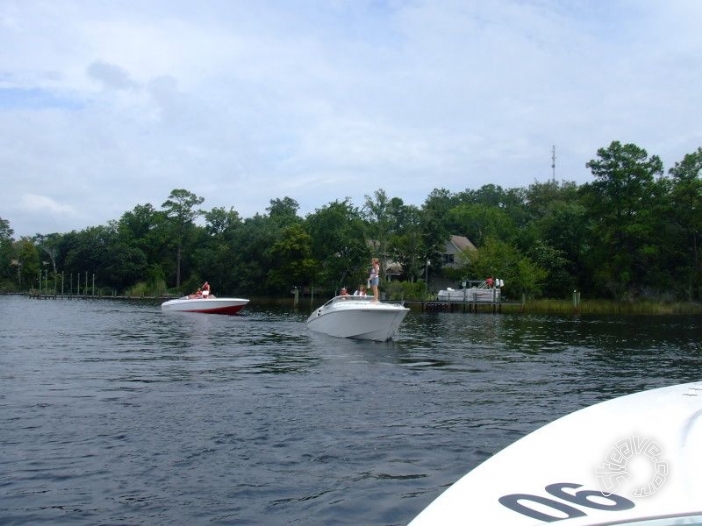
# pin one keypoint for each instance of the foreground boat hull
(628, 461)
(205, 306)
(360, 320)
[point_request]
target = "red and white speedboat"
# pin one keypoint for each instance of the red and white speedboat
(209, 305)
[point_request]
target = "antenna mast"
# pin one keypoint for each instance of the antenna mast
(553, 162)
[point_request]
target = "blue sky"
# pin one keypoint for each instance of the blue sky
(108, 105)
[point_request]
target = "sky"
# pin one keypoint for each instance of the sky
(109, 105)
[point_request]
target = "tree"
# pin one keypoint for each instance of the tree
(436, 227)
(135, 226)
(292, 264)
(179, 208)
(501, 260)
(283, 211)
(557, 234)
(407, 242)
(436, 216)
(244, 260)
(30, 262)
(8, 260)
(376, 211)
(5, 230)
(339, 243)
(50, 245)
(479, 222)
(620, 203)
(219, 221)
(685, 217)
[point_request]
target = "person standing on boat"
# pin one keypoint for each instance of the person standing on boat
(374, 278)
(205, 290)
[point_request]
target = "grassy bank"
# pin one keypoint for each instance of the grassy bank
(604, 307)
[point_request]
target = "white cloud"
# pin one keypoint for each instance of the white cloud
(110, 76)
(43, 204)
(104, 106)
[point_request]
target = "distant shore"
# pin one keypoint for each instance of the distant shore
(540, 306)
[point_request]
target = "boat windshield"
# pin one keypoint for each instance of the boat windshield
(348, 297)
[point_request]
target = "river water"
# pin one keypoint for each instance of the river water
(112, 412)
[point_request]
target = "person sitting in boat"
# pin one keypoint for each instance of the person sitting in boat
(205, 290)
(360, 291)
(197, 294)
(344, 292)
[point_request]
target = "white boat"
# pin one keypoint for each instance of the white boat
(471, 294)
(357, 317)
(636, 459)
(209, 305)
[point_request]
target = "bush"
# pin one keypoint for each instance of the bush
(405, 290)
(141, 289)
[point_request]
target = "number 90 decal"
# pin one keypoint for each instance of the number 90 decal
(589, 499)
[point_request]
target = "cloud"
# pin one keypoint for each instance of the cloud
(106, 106)
(110, 76)
(43, 204)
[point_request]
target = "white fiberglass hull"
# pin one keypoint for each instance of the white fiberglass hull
(205, 305)
(357, 318)
(636, 459)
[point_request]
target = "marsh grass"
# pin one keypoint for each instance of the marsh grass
(603, 307)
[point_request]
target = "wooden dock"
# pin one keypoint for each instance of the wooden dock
(466, 306)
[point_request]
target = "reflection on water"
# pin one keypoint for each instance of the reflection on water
(116, 412)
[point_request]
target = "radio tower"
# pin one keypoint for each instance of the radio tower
(553, 162)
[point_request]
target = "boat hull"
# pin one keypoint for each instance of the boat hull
(205, 306)
(629, 459)
(360, 320)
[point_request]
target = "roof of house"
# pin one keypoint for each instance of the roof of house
(462, 243)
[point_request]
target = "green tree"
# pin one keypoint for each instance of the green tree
(339, 244)
(148, 230)
(407, 242)
(9, 263)
(181, 213)
(620, 202)
(284, 211)
(503, 261)
(123, 266)
(376, 211)
(245, 259)
(479, 222)
(292, 264)
(436, 225)
(87, 253)
(685, 223)
(557, 234)
(30, 263)
(219, 221)
(5, 230)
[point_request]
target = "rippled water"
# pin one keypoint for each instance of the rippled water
(112, 412)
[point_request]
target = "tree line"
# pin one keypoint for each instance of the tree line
(633, 232)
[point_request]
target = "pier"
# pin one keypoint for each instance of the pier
(466, 306)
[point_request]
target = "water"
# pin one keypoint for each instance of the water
(114, 413)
